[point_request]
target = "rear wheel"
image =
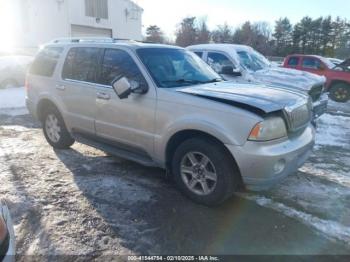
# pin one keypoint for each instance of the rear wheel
(55, 130)
(204, 171)
(340, 92)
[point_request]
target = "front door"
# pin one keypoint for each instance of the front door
(312, 65)
(129, 122)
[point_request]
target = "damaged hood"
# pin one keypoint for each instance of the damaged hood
(260, 97)
(288, 78)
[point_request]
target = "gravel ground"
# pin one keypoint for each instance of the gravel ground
(83, 202)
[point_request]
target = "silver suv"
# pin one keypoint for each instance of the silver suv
(163, 106)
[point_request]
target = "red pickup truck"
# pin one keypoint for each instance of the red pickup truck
(338, 77)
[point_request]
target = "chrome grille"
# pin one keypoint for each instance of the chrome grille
(299, 116)
(316, 92)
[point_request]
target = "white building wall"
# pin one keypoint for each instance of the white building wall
(40, 21)
(123, 20)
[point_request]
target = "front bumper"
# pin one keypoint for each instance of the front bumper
(263, 164)
(4, 212)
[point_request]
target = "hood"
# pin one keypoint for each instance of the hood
(289, 78)
(259, 98)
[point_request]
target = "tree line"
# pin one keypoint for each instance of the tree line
(322, 36)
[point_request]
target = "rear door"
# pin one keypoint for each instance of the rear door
(77, 87)
(129, 122)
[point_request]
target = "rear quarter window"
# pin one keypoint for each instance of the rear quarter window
(45, 61)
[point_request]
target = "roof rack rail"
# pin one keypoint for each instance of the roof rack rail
(91, 40)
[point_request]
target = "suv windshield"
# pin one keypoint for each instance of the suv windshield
(170, 67)
(252, 60)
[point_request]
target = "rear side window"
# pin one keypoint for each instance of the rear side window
(45, 62)
(81, 64)
(293, 61)
(118, 63)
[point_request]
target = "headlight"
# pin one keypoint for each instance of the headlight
(269, 129)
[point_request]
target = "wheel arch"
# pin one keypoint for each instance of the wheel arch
(43, 105)
(338, 81)
(183, 135)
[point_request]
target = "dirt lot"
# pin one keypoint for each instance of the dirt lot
(82, 202)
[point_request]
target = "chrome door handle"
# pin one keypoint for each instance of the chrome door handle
(103, 96)
(60, 87)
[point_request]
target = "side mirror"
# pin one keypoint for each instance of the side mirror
(229, 70)
(124, 87)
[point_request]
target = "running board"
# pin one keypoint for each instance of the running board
(114, 150)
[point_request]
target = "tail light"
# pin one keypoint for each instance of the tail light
(26, 85)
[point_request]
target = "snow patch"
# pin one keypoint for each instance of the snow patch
(330, 228)
(333, 131)
(12, 101)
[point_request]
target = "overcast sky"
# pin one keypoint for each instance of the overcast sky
(168, 13)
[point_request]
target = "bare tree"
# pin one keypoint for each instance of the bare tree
(186, 32)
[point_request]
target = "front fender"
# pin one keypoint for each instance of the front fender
(222, 132)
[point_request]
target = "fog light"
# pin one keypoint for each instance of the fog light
(279, 166)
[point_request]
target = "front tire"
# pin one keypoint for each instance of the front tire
(204, 171)
(340, 92)
(55, 130)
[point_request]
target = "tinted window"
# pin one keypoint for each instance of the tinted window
(46, 61)
(119, 63)
(81, 64)
(217, 61)
(199, 54)
(172, 67)
(293, 61)
(311, 63)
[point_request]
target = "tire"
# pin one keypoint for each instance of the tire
(190, 178)
(55, 130)
(340, 92)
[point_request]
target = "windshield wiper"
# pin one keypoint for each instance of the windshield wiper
(182, 80)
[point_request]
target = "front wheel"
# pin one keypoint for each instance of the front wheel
(55, 130)
(204, 171)
(340, 92)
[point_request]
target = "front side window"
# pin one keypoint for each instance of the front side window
(171, 67)
(217, 61)
(81, 64)
(293, 61)
(311, 63)
(46, 61)
(117, 63)
(252, 60)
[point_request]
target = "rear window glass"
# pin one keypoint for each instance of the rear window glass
(45, 62)
(293, 61)
(81, 64)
